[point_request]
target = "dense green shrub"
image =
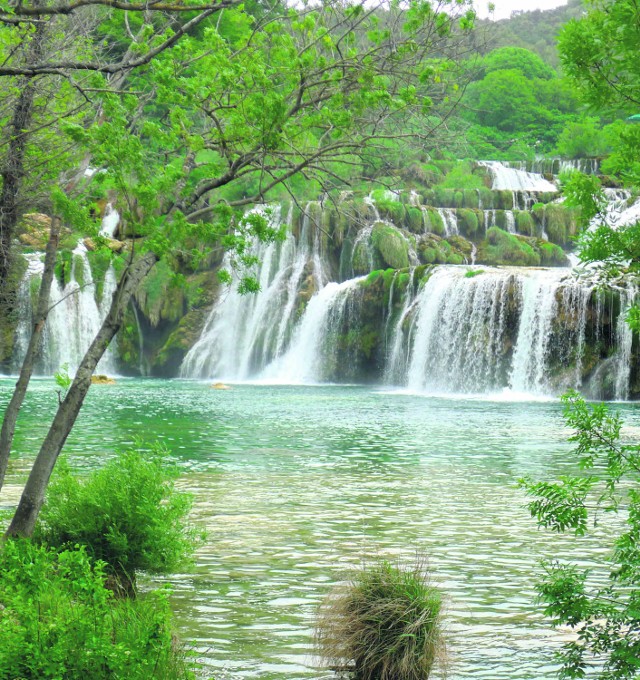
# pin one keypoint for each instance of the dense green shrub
(552, 255)
(389, 206)
(443, 197)
(58, 620)
(471, 198)
(560, 223)
(64, 266)
(461, 176)
(383, 624)
(525, 224)
(414, 220)
(127, 514)
(485, 198)
(99, 261)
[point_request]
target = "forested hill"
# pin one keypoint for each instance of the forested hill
(536, 31)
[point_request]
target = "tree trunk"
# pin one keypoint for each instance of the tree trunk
(13, 167)
(42, 310)
(24, 520)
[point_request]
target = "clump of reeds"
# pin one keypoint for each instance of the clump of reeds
(384, 623)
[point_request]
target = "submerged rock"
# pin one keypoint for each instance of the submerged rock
(102, 380)
(220, 386)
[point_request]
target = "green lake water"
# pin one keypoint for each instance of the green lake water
(296, 484)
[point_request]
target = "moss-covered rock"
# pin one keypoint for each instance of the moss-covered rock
(436, 250)
(485, 199)
(161, 295)
(467, 222)
(560, 223)
(64, 267)
(501, 248)
(391, 245)
(552, 255)
(33, 230)
(504, 199)
(434, 223)
(99, 261)
(414, 220)
(525, 224)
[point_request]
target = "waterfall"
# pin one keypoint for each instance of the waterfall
(506, 178)
(456, 344)
(143, 365)
(313, 350)
(245, 333)
(449, 220)
(530, 371)
(110, 222)
(510, 220)
(624, 337)
(397, 355)
(446, 329)
(74, 316)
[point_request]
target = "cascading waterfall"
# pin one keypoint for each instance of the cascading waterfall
(511, 179)
(625, 342)
(449, 220)
(496, 330)
(456, 344)
(397, 355)
(74, 317)
(457, 330)
(244, 333)
(313, 350)
(510, 220)
(110, 222)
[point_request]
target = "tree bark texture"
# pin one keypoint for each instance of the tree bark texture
(24, 520)
(39, 319)
(12, 171)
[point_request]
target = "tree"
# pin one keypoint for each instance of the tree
(582, 139)
(224, 117)
(605, 618)
(48, 53)
(504, 100)
(518, 59)
(599, 55)
(44, 71)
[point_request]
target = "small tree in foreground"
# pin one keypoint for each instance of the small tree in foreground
(127, 515)
(605, 618)
(382, 624)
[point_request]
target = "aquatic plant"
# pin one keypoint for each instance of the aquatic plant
(384, 623)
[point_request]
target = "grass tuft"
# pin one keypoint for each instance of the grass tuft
(384, 623)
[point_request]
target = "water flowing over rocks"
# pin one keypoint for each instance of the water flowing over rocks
(74, 318)
(453, 328)
(431, 290)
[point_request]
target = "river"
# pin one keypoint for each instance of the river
(294, 485)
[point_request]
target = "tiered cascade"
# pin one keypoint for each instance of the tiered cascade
(371, 312)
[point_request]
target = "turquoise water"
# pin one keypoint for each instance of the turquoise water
(297, 484)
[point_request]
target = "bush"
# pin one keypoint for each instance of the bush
(58, 620)
(127, 514)
(384, 624)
